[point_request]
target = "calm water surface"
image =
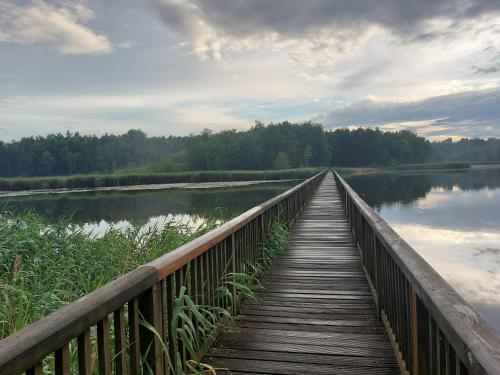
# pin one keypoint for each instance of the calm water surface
(96, 211)
(453, 221)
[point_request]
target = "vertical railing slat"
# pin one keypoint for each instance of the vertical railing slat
(133, 337)
(62, 361)
(103, 347)
(35, 370)
(151, 330)
(120, 342)
(84, 353)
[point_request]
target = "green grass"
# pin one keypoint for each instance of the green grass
(419, 167)
(431, 166)
(95, 181)
(485, 162)
(46, 266)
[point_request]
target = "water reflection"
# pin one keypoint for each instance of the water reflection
(452, 220)
(95, 211)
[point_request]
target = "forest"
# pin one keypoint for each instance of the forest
(273, 146)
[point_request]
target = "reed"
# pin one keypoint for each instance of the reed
(111, 180)
(46, 266)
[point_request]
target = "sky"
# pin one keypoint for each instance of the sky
(175, 67)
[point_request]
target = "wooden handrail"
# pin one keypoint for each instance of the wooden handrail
(173, 260)
(148, 293)
(432, 328)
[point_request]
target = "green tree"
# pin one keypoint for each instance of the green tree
(47, 162)
(281, 161)
(307, 156)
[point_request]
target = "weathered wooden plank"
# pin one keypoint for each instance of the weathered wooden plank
(337, 356)
(295, 368)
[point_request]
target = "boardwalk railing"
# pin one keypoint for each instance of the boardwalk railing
(433, 330)
(132, 314)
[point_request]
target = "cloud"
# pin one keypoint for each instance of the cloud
(487, 70)
(470, 113)
(60, 25)
(212, 26)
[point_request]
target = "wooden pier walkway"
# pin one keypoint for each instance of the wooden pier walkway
(316, 314)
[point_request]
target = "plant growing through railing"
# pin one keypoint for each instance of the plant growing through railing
(197, 326)
(272, 249)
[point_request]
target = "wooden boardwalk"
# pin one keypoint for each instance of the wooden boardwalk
(316, 314)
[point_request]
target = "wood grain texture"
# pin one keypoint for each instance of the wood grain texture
(316, 313)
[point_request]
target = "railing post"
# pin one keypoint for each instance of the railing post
(376, 266)
(414, 331)
(233, 270)
(150, 308)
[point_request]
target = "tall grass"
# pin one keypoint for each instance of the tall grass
(109, 180)
(46, 266)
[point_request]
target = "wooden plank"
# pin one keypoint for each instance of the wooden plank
(295, 368)
(323, 357)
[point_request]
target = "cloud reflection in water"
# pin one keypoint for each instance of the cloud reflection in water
(452, 221)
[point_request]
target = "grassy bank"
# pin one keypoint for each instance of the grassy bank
(431, 166)
(45, 266)
(420, 167)
(94, 181)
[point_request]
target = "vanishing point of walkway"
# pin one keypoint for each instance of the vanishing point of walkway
(316, 314)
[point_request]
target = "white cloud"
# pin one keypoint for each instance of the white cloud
(58, 25)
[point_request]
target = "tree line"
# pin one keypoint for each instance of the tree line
(470, 150)
(60, 155)
(273, 146)
(287, 145)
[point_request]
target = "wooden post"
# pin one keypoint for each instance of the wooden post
(62, 361)
(84, 353)
(150, 310)
(233, 270)
(103, 348)
(120, 342)
(133, 337)
(414, 330)
(35, 370)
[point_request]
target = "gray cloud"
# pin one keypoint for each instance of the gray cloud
(293, 18)
(487, 70)
(468, 113)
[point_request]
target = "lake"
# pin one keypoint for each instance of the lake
(147, 206)
(452, 220)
